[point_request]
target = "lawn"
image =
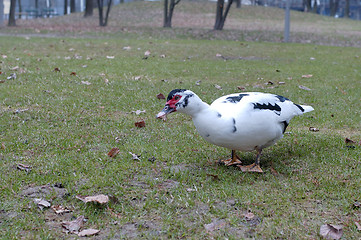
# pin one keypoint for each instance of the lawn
(74, 99)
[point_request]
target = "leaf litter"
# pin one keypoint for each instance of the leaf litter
(331, 231)
(101, 199)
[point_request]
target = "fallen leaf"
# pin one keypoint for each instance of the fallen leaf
(42, 203)
(14, 68)
(3, 146)
(162, 56)
(101, 199)
(198, 82)
(313, 129)
(137, 78)
(110, 57)
(160, 96)
(304, 88)
(218, 55)
(241, 88)
(307, 76)
(137, 112)
(113, 152)
(214, 177)
(349, 141)
(330, 231)
(140, 124)
(215, 225)
(88, 232)
(73, 74)
(86, 83)
(134, 156)
(147, 53)
(218, 87)
(358, 226)
(249, 216)
(281, 83)
(73, 226)
(12, 76)
(56, 69)
(23, 167)
(127, 48)
(58, 209)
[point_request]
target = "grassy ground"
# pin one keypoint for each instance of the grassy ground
(72, 102)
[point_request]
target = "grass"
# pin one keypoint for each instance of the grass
(64, 128)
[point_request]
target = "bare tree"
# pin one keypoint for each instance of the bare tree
(12, 22)
(65, 7)
(347, 9)
(1, 13)
(72, 6)
(168, 12)
(333, 7)
(20, 9)
(239, 3)
(89, 6)
(221, 14)
(103, 21)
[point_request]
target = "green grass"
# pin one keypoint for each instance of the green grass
(64, 129)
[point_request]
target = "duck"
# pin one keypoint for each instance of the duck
(246, 121)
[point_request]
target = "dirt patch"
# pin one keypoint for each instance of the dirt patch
(48, 191)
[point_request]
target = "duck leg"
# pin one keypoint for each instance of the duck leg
(255, 166)
(234, 160)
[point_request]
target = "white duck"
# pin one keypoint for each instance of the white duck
(241, 121)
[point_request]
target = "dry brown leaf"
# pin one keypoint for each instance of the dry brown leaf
(218, 87)
(73, 226)
(215, 225)
(58, 209)
(331, 231)
(313, 129)
(113, 152)
(249, 216)
(23, 167)
(349, 141)
(140, 124)
(214, 177)
(101, 199)
(88, 232)
(3, 146)
(304, 88)
(56, 69)
(134, 156)
(307, 76)
(86, 83)
(73, 74)
(42, 203)
(160, 96)
(137, 112)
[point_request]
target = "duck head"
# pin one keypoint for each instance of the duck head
(178, 100)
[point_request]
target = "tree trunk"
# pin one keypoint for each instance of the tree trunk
(65, 7)
(88, 8)
(333, 7)
(220, 15)
(103, 22)
(347, 9)
(20, 10)
(307, 5)
(168, 12)
(12, 22)
(72, 6)
(1, 13)
(239, 2)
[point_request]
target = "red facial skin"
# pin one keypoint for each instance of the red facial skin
(171, 103)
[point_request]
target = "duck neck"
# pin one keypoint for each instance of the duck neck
(195, 107)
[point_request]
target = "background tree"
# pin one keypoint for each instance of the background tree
(333, 7)
(347, 9)
(239, 2)
(65, 7)
(1, 13)
(168, 12)
(89, 6)
(103, 21)
(72, 6)
(221, 14)
(20, 9)
(12, 13)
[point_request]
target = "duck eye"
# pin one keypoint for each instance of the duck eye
(177, 97)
